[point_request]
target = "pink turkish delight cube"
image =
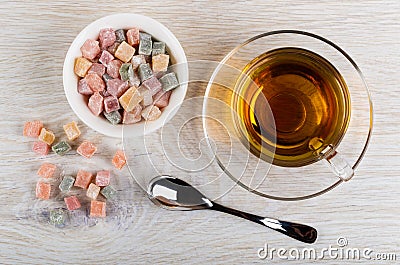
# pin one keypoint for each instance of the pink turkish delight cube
(43, 190)
(32, 128)
(97, 68)
(41, 148)
(90, 49)
(106, 58)
(72, 203)
(132, 36)
(117, 87)
(103, 178)
(84, 88)
(95, 103)
(86, 149)
(119, 159)
(107, 38)
(95, 82)
(83, 179)
(134, 116)
(46, 170)
(113, 68)
(153, 85)
(111, 103)
(161, 99)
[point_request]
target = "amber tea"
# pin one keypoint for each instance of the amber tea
(293, 102)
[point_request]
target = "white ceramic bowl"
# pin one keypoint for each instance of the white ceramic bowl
(125, 21)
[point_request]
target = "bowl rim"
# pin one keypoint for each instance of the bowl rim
(138, 129)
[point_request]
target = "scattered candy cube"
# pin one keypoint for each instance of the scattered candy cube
(83, 179)
(144, 72)
(117, 87)
(120, 35)
(124, 52)
(84, 88)
(134, 116)
(32, 128)
(41, 148)
(113, 48)
(106, 58)
(130, 99)
(46, 170)
(108, 192)
(113, 117)
(97, 209)
(61, 148)
(153, 85)
(160, 63)
(57, 217)
(137, 60)
(47, 136)
(107, 38)
(90, 49)
(93, 191)
(72, 203)
(133, 36)
(111, 103)
(86, 149)
(71, 130)
(43, 190)
(97, 68)
(95, 82)
(82, 66)
(113, 68)
(119, 159)
(151, 113)
(66, 184)
(161, 99)
(103, 178)
(158, 48)
(145, 44)
(169, 81)
(95, 103)
(123, 71)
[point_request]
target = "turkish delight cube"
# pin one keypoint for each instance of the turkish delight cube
(144, 72)
(95, 82)
(123, 71)
(95, 104)
(134, 79)
(134, 116)
(120, 35)
(131, 98)
(43, 190)
(113, 48)
(66, 183)
(86, 149)
(46, 170)
(97, 209)
(103, 178)
(32, 128)
(90, 49)
(83, 179)
(124, 52)
(106, 78)
(107, 38)
(153, 85)
(97, 68)
(169, 81)
(161, 99)
(84, 88)
(82, 66)
(145, 44)
(47, 136)
(147, 96)
(111, 103)
(108, 192)
(117, 87)
(71, 130)
(113, 68)
(160, 63)
(72, 203)
(119, 159)
(133, 36)
(151, 113)
(93, 191)
(61, 148)
(158, 48)
(41, 148)
(113, 117)
(137, 60)
(105, 58)
(57, 217)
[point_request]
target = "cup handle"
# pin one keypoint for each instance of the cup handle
(340, 166)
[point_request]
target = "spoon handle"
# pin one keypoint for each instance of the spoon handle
(303, 233)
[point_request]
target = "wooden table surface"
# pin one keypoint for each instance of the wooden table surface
(34, 38)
